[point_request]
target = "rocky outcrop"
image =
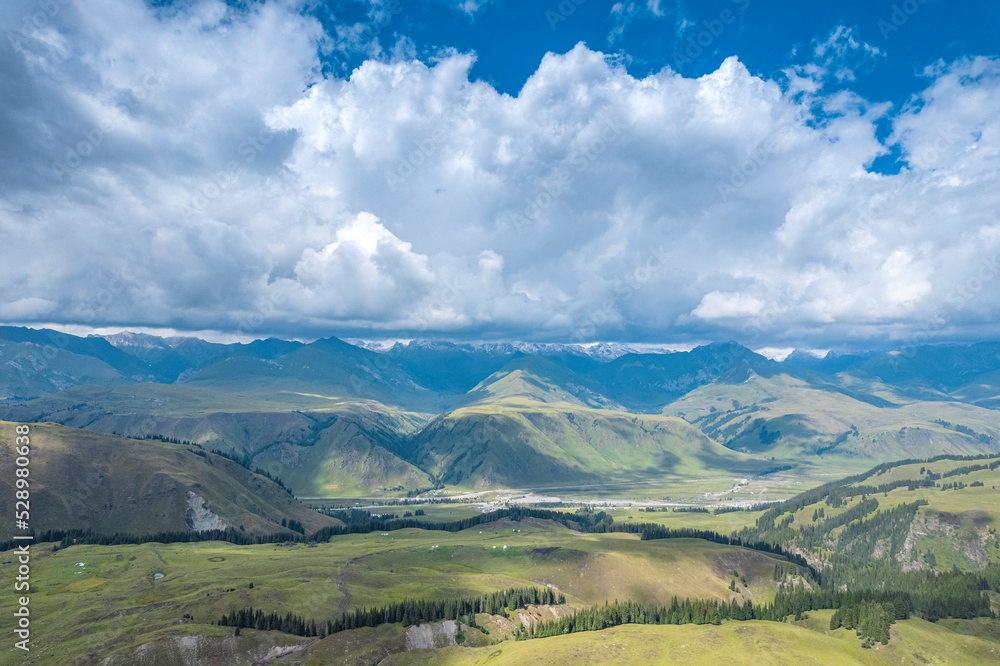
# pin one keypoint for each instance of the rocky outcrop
(199, 517)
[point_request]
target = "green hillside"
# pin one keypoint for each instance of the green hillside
(131, 616)
(521, 443)
(539, 379)
(310, 441)
(331, 418)
(914, 641)
(941, 515)
(87, 480)
(844, 423)
(344, 458)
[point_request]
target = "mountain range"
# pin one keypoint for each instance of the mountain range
(333, 418)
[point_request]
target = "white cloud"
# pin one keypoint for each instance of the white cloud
(469, 7)
(366, 272)
(842, 51)
(838, 56)
(236, 188)
(722, 305)
(624, 13)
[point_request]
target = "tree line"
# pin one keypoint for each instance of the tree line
(245, 461)
(650, 531)
(869, 612)
(794, 601)
(72, 537)
(407, 612)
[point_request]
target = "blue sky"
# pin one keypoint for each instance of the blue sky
(510, 38)
(782, 174)
(693, 38)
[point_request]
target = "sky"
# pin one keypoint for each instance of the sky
(811, 175)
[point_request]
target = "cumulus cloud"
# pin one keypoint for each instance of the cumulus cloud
(835, 58)
(367, 272)
(193, 168)
(843, 52)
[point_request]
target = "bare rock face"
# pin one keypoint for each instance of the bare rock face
(213, 650)
(199, 517)
(431, 635)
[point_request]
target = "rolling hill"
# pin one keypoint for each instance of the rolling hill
(347, 454)
(767, 643)
(132, 618)
(526, 444)
(816, 419)
(88, 480)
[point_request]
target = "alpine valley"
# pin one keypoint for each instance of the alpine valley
(333, 502)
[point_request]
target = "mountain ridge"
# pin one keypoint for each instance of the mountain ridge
(331, 414)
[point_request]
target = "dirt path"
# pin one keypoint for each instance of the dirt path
(341, 580)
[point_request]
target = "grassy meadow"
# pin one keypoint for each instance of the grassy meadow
(808, 641)
(113, 603)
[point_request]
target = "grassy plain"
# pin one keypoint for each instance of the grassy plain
(725, 523)
(114, 604)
